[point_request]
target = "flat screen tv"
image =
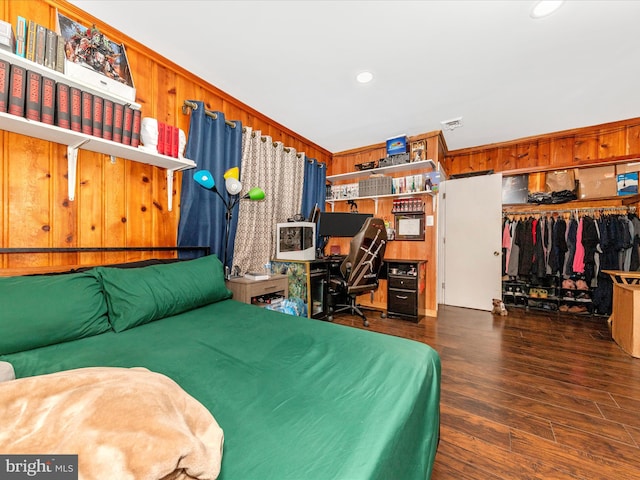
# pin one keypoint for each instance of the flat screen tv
(341, 224)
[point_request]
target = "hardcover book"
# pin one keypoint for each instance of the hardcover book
(31, 41)
(33, 107)
(161, 131)
(4, 84)
(51, 49)
(87, 113)
(127, 125)
(176, 142)
(168, 139)
(107, 120)
(21, 37)
(75, 110)
(135, 129)
(256, 276)
(17, 86)
(48, 100)
(97, 116)
(60, 54)
(63, 106)
(118, 118)
(41, 44)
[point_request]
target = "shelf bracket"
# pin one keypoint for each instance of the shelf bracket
(72, 168)
(170, 189)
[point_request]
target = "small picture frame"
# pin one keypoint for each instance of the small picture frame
(409, 226)
(418, 151)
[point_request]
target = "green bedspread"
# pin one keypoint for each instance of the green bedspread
(297, 399)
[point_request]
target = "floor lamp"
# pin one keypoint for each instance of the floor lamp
(204, 178)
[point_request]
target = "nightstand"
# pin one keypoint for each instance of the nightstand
(259, 292)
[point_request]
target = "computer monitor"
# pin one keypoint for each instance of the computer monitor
(341, 224)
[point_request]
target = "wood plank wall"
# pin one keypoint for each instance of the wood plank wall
(344, 162)
(596, 145)
(121, 204)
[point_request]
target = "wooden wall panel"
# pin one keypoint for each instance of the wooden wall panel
(345, 162)
(612, 142)
(121, 204)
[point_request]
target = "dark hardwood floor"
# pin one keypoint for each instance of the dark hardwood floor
(529, 396)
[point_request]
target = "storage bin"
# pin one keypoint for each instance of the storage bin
(374, 186)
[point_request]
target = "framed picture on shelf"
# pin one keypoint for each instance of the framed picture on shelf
(418, 150)
(93, 58)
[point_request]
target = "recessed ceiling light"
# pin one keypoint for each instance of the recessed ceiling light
(364, 77)
(544, 8)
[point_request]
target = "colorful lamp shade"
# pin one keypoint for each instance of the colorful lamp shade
(256, 193)
(205, 179)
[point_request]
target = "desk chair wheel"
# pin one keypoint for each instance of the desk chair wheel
(383, 315)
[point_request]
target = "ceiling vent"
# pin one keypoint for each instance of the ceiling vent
(452, 124)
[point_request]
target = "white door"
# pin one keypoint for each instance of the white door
(472, 241)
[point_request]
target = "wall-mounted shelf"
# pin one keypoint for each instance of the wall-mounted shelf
(77, 140)
(375, 198)
(60, 77)
(390, 169)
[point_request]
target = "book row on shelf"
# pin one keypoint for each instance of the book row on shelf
(27, 93)
(34, 42)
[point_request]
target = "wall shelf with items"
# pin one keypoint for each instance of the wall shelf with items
(375, 199)
(77, 140)
(80, 141)
(403, 167)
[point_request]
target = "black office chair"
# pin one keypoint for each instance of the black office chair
(359, 270)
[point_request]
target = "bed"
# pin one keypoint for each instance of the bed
(295, 398)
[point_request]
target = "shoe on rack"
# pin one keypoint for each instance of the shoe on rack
(577, 309)
(568, 284)
(564, 308)
(533, 292)
(582, 285)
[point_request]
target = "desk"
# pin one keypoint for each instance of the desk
(308, 281)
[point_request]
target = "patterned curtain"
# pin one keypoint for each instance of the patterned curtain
(279, 171)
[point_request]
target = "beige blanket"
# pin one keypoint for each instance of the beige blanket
(123, 424)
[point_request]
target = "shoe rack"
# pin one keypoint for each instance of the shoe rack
(550, 294)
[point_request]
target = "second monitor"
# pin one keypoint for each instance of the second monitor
(341, 224)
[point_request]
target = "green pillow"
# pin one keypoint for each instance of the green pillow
(43, 310)
(136, 296)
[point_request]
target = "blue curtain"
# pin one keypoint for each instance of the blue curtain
(314, 190)
(215, 146)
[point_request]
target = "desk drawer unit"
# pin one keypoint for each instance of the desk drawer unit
(402, 303)
(405, 289)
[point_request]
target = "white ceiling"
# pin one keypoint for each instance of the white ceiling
(507, 75)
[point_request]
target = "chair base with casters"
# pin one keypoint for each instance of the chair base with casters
(359, 271)
(351, 307)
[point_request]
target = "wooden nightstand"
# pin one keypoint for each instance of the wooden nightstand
(252, 291)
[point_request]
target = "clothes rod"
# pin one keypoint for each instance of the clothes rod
(551, 211)
(194, 106)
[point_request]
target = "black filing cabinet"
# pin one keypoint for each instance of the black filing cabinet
(405, 289)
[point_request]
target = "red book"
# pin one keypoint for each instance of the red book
(171, 134)
(161, 137)
(17, 86)
(97, 116)
(63, 106)
(135, 129)
(48, 100)
(118, 118)
(5, 68)
(87, 113)
(107, 120)
(176, 142)
(33, 106)
(75, 111)
(168, 135)
(127, 125)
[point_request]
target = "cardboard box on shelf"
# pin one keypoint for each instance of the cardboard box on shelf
(515, 189)
(560, 180)
(597, 182)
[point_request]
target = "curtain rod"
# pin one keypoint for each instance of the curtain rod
(194, 106)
